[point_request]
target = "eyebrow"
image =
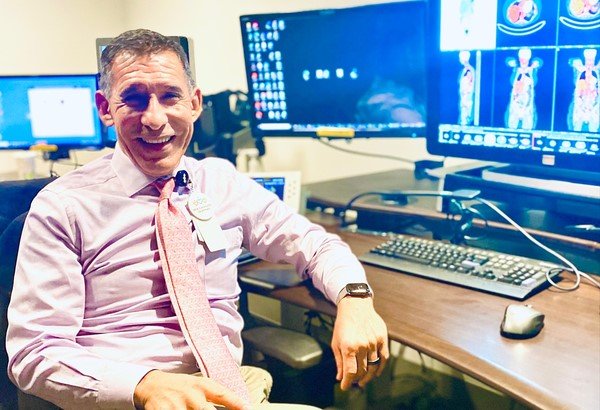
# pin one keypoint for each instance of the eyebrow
(136, 88)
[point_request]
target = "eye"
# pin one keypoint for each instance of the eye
(136, 101)
(171, 97)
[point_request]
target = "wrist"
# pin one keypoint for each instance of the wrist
(140, 394)
(354, 291)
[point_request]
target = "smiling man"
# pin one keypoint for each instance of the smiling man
(92, 322)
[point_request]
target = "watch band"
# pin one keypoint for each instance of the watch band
(356, 290)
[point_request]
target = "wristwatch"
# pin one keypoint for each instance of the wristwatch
(355, 290)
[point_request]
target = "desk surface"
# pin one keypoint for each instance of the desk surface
(560, 368)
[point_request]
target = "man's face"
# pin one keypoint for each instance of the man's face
(152, 108)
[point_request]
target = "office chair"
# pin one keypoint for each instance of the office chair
(13, 210)
(302, 370)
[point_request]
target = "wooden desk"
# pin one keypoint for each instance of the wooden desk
(560, 368)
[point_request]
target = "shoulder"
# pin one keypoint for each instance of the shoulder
(89, 176)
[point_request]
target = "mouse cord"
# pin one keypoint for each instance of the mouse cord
(572, 267)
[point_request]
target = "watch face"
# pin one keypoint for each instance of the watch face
(358, 289)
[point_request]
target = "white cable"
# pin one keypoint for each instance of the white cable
(577, 272)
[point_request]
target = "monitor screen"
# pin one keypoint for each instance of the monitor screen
(515, 81)
(55, 110)
(356, 71)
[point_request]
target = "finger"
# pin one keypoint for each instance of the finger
(372, 364)
(218, 394)
(369, 375)
(338, 362)
(350, 370)
(196, 399)
(384, 355)
(362, 362)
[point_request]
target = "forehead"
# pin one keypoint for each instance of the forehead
(153, 70)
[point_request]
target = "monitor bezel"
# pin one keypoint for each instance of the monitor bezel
(539, 159)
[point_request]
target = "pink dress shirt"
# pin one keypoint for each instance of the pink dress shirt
(90, 314)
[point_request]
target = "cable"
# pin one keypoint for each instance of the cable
(365, 154)
(465, 223)
(572, 267)
(399, 196)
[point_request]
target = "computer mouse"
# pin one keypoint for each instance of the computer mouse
(521, 322)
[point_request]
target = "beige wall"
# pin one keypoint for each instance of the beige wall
(58, 36)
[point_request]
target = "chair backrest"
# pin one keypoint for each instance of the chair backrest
(17, 197)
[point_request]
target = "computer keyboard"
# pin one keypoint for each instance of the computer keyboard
(489, 271)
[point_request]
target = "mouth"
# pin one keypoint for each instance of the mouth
(156, 143)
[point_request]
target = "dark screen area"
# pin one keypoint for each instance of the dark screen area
(361, 69)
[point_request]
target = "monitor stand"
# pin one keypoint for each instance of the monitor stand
(578, 183)
(548, 199)
(57, 154)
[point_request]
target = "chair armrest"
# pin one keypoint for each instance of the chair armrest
(295, 349)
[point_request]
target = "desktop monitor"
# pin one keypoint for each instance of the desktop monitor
(517, 82)
(57, 111)
(356, 72)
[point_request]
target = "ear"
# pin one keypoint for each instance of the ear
(103, 107)
(196, 103)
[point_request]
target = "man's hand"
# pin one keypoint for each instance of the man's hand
(161, 390)
(359, 335)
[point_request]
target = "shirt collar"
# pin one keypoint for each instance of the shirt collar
(131, 177)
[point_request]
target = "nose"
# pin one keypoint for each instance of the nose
(154, 117)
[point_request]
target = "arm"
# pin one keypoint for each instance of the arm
(45, 315)
(279, 235)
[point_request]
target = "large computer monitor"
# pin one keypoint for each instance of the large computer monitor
(516, 81)
(338, 72)
(55, 111)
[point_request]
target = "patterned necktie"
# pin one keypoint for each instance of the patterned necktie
(188, 296)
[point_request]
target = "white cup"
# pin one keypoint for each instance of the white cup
(25, 164)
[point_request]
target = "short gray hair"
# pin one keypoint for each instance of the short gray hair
(139, 43)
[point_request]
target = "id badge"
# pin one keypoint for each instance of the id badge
(207, 228)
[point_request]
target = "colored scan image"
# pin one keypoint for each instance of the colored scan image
(584, 10)
(521, 112)
(584, 113)
(467, 15)
(524, 12)
(466, 89)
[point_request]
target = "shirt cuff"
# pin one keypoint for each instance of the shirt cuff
(118, 385)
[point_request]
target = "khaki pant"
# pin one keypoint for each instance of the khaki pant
(259, 384)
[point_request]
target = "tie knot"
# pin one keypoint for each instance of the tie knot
(165, 187)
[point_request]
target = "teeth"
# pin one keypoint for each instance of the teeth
(160, 141)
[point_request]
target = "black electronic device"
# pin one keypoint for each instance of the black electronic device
(222, 126)
(500, 273)
(517, 82)
(109, 134)
(54, 113)
(350, 72)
